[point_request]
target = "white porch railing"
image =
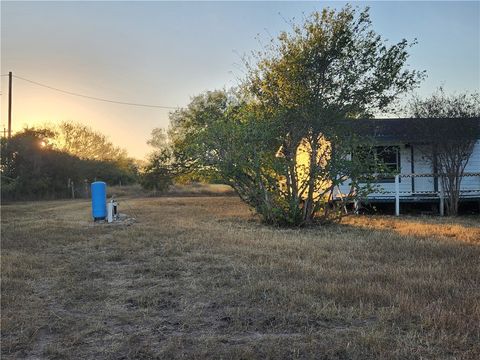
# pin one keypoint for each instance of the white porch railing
(440, 194)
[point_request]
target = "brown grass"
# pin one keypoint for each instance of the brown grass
(193, 189)
(201, 278)
(465, 229)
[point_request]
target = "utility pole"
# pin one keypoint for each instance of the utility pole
(9, 104)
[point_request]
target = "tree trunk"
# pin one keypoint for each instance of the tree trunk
(308, 213)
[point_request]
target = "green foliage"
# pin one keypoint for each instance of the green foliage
(332, 66)
(159, 139)
(157, 174)
(282, 144)
(33, 168)
(194, 129)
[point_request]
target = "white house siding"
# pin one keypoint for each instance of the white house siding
(423, 166)
(388, 189)
(405, 185)
(472, 183)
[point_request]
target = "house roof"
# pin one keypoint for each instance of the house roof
(415, 129)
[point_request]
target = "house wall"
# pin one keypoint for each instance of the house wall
(388, 189)
(405, 185)
(473, 166)
(422, 165)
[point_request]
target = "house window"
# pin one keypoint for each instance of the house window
(380, 160)
(388, 158)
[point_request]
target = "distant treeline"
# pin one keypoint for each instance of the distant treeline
(60, 162)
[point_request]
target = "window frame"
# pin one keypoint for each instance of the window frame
(398, 168)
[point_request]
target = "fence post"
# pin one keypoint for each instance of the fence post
(442, 198)
(397, 195)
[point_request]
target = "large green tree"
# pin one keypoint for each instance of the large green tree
(284, 147)
(330, 68)
(220, 136)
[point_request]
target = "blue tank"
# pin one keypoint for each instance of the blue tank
(99, 200)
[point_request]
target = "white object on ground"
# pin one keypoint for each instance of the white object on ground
(110, 211)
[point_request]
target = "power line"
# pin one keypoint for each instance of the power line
(93, 97)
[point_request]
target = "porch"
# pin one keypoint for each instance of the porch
(430, 191)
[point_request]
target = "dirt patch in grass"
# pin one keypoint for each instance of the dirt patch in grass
(202, 278)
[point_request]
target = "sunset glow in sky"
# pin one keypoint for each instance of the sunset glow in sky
(164, 53)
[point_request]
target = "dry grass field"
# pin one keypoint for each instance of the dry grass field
(194, 189)
(200, 277)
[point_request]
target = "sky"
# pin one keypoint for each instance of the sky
(164, 53)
